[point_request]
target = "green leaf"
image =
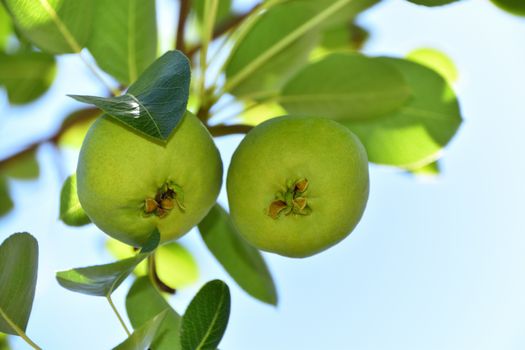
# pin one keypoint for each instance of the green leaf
(415, 134)
(26, 75)
(4, 343)
(516, 7)
(206, 318)
(429, 170)
(264, 58)
(102, 280)
(55, 26)
(437, 61)
(432, 3)
(143, 302)
(5, 31)
(6, 203)
(176, 267)
(18, 273)
(23, 167)
(223, 9)
(71, 212)
(243, 262)
(345, 86)
(124, 37)
(142, 337)
(156, 102)
(76, 125)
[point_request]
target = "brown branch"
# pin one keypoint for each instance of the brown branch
(222, 129)
(184, 10)
(75, 119)
(225, 26)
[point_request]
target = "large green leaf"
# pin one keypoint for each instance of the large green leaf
(142, 337)
(345, 86)
(26, 75)
(18, 273)
(433, 3)
(176, 267)
(516, 7)
(206, 318)
(5, 29)
(6, 203)
(436, 60)
(414, 135)
(243, 262)
(142, 303)
(71, 212)
(102, 280)
(264, 58)
(124, 38)
(56, 26)
(156, 102)
(23, 167)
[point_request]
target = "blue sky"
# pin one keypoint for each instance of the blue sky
(433, 265)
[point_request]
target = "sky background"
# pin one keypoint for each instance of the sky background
(434, 264)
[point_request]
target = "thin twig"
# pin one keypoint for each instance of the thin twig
(222, 129)
(184, 10)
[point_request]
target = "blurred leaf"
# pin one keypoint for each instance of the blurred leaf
(223, 10)
(102, 280)
(76, 125)
(432, 3)
(5, 31)
(431, 169)
(437, 61)
(71, 212)
(6, 203)
(24, 167)
(4, 344)
(345, 36)
(156, 102)
(143, 302)
(176, 267)
(345, 86)
(55, 26)
(26, 75)
(206, 318)
(142, 337)
(516, 7)
(261, 112)
(243, 262)
(18, 273)
(415, 134)
(124, 37)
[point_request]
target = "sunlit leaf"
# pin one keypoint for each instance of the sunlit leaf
(415, 134)
(437, 61)
(206, 318)
(516, 7)
(433, 3)
(24, 166)
(143, 302)
(71, 212)
(431, 169)
(4, 343)
(26, 75)
(156, 102)
(124, 37)
(102, 280)
(176, 267)
(56, 26)
(6, 203)
(243, 262)
(18, 274)
(345, 86)
(76, 125)
(261, 112)
(5, 31)
(142, 337)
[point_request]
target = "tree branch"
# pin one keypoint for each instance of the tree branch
(184, 10)
(222, 129)
(226, 26)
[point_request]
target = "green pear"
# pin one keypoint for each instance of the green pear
(130, 184)
(297, 185)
